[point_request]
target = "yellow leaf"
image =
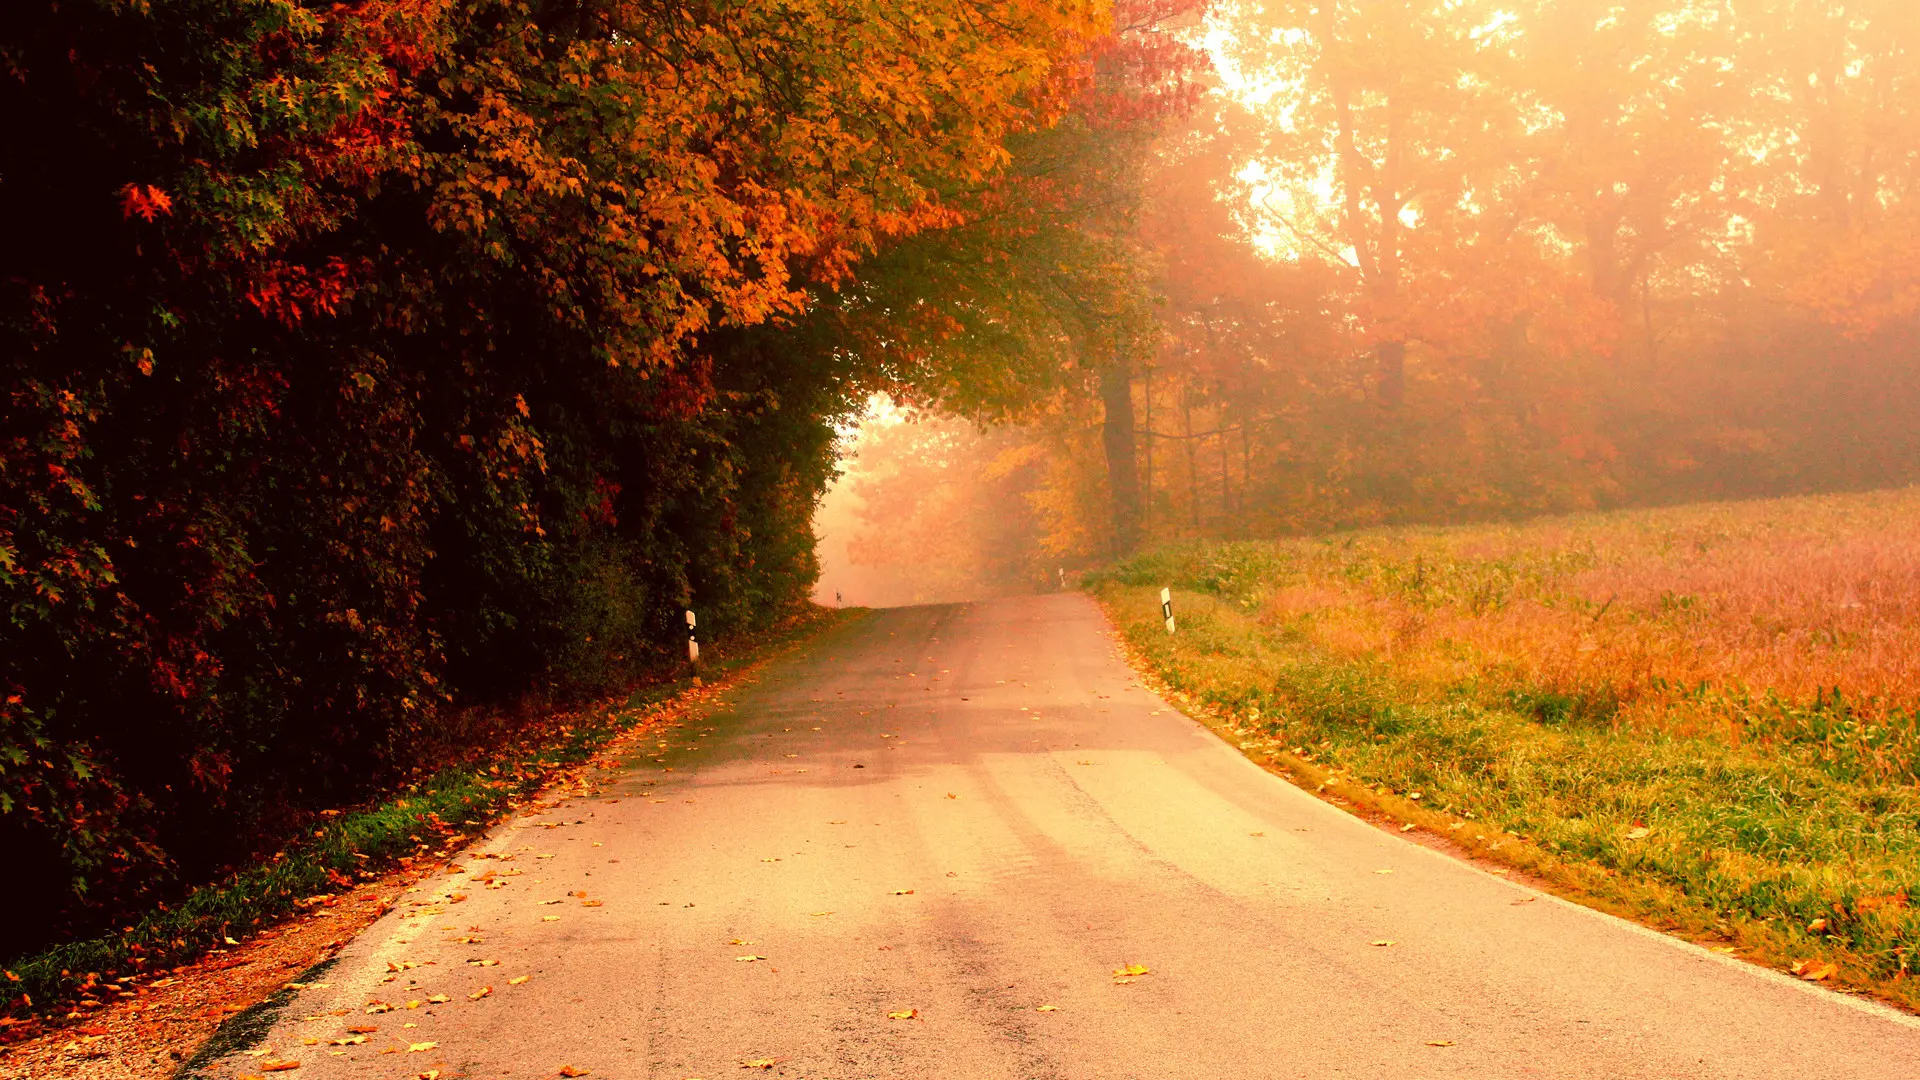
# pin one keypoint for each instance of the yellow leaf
(418, 1048)
(1384, 941)
(591, 903)
(278, 1066)
(1639, 833)
(1439, 1042)
(480, 993)
(903, 892)
(549, 918)
(569, 1070)
(1816, 926)
(438, 999)
(350, 1040)
(1046, 1008)
(1409, 827)
(1383, 871)
(748, 959)
(817, 914)
(758, 1063)
(518, 979)
(1130, 971)
(1814, 970)
(903, 1014)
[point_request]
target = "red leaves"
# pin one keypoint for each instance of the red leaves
(285, 292)
(148, 202)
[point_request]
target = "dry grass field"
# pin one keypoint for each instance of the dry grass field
(1705, 715)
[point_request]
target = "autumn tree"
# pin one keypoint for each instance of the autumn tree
(367, 364)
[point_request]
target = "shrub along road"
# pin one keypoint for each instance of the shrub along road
(966, 842)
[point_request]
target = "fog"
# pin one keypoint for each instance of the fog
(1410, 262)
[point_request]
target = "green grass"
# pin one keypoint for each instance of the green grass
(1748, 842)
(426, 817)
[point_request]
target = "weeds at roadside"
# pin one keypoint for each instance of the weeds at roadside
(1782, 823)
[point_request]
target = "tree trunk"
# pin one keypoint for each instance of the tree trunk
(1393, 371)
(1123, 471)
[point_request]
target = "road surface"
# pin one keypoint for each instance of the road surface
(976, 815)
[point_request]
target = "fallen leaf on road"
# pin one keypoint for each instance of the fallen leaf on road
(748, 959)
(1256, 834)
(903, 1014)
(1408, 827)
(518, 979)
(569, 1070)
(438, 999)
(349, 1040)
(278, 1066)
(1383, 941)
(1724, 950)
(592, 903)
(378, 1007)
(1528, 900)
(1383, 871)
(1130, 971)
(483, 963)
(414, 1004)
(364, 1029)
(739, 941)
(1814, 970)
(1046, 1008)
(1439, 1042)
(817, 914)
(903, 892)
(758, 1063)
(549, 918)
(420, 1048)
(480, 993)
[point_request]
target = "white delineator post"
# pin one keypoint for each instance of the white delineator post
(693, 643)
(1166, 607)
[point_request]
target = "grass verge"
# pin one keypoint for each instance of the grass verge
(427, 817)
(1784, 858)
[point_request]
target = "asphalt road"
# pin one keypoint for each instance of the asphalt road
(977, 815)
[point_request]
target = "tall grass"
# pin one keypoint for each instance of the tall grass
(1742, 681)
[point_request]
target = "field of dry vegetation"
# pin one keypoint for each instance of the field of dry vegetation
(1796, 618)
(1706, 715)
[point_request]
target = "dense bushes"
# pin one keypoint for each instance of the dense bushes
(367, 361)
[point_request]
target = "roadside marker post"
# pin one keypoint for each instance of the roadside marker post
(1166, 608)
(693, 642)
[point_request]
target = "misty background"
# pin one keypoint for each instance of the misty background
(1444, 263)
